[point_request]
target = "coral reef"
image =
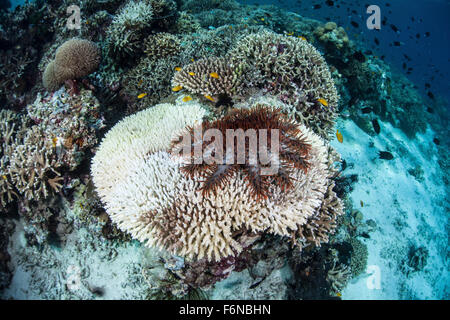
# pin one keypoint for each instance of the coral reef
(211, 77)
(294, 71)
(230, 58)
(283, 66)
(74, 59)
(338, 277)
(169, 220)
(415, 261)
(161, 45)
(131, 25)
(186, 23)
(370, 84)
(358, 261)
(9, 128)
(41, 150)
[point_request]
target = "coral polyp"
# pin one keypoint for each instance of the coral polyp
(260, 142)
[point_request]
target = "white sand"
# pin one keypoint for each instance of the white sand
(392, 198)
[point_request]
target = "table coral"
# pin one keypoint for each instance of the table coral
(146, 194)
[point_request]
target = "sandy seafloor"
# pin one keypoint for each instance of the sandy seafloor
(405, 210)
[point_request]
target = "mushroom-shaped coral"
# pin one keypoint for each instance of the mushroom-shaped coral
(146, 193)
(74, 59)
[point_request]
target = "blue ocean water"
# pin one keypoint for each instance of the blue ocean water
(422, 29)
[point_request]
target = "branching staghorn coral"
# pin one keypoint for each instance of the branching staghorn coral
(283, 66)
(211, 76)
(146, 193)
(12, 71)
(33, 166)
(69, 122)
(152, 77)
(161, 45)
(295, 71)
(33, 159)
(124, 35)
(338, 277)
(186, 23)
(9, 127)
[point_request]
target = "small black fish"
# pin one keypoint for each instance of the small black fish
(393, 27)
(329, 3)
(344, 165)
(427, 34)
(397, 43)
(358, 55)
(418, 36)
(257, 283)
(436, 141)
(385, 155)
(430, 95)
(430, 110)
(427, 85)
(377, 42)
(317, 6)
(376, 126)
(366, 110)
(354, 24)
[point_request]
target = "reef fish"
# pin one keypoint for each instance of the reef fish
(339, 136)
(323, 102)
(141, 95)
(187, 98)
(177, 88)
(191, 73)
(214, 75)
(209, 98)
(385, 155)
(177, 68)
(376, 126)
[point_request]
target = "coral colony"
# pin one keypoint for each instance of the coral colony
(185, 142)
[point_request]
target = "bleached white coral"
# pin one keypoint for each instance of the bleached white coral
(147, 195)
(148, 131)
